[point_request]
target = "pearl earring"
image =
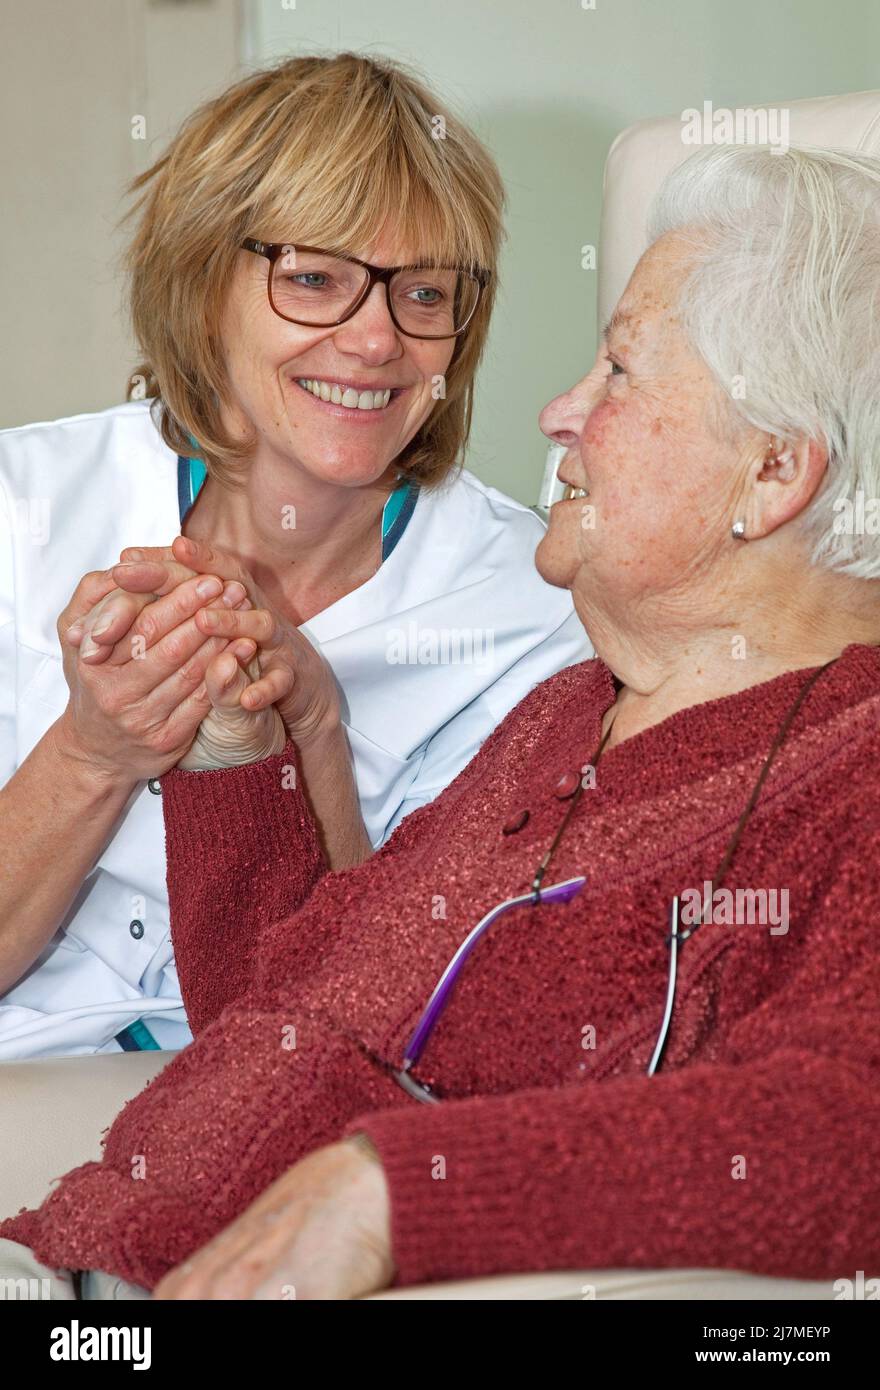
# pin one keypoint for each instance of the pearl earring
(738, 530)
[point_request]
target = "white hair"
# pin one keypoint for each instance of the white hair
(783, 305)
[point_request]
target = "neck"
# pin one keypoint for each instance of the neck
(665, 661)
(307, 542)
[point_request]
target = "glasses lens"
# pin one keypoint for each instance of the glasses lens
(310, 287)
(316, 288)
(433, 303)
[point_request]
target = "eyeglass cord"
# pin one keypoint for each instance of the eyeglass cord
(542, 867)
(675, 937)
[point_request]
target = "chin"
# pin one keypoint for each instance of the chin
(558, 557)
(349, 469)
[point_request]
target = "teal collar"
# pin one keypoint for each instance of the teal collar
(191, 474)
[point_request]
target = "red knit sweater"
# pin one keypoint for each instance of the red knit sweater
(756, 1147)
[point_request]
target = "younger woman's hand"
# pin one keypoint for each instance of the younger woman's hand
(135, 706)
(294, 675)
(97, 629)
(228, 735)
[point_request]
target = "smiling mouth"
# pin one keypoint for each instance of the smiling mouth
(349, 397)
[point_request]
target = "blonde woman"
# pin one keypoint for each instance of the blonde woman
(312, 276)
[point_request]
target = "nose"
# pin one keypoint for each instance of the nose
(370, 333)
(563, 418)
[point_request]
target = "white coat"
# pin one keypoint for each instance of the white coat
(431, 653)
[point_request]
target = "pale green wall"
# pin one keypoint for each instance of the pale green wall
(548, 85)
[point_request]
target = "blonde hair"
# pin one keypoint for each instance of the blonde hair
(320, 150)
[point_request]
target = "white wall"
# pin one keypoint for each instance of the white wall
(72, 77)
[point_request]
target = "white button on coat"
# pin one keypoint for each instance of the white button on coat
(431, 653)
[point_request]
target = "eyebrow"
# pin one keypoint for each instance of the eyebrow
(617, 320)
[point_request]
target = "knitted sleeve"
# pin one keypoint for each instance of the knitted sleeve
(244, 855)
(243, 852)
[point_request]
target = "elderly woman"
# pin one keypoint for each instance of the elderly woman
(559, 1021)
(312, 276)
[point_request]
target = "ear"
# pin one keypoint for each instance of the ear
(784, 481)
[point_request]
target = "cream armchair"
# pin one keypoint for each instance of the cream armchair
(642, 156)
(54, 1111)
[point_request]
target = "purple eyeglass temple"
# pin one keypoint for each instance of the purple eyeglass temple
(556, 893)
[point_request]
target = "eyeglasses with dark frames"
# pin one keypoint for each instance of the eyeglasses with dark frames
(317, 288)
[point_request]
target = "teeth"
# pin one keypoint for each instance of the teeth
(573, 492)
(346, 395)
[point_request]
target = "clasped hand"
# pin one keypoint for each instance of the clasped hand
(181, 640)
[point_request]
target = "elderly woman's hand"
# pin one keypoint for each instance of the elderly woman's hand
(230, 735)
(293, 676)
(321, 1231)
